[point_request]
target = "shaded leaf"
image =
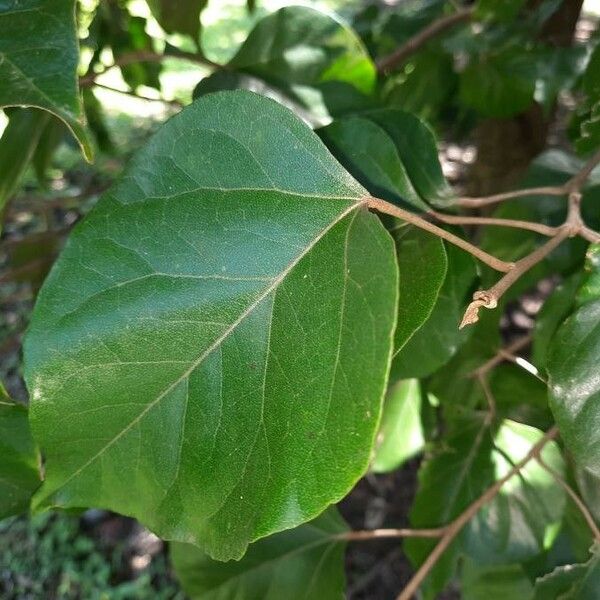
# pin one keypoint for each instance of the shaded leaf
(19, 465)
(218, 330)
(571, 582)
(494, 582)
(305, 562)
(182, 16)
(39, 56)
(400, 433)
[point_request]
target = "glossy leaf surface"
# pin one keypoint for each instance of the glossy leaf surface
(298, 564)
(19, 460)
(217, 331)
(38, 61)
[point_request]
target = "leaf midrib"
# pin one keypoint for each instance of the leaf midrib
(276, 281)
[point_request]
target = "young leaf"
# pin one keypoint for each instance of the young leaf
(19, 466)
(305, 562)
(400, 434)
(571, 582)
(218, 331)
(309, 56)
(38, 61)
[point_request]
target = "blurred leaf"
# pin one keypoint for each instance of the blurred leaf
(571, 582)
(439, 338)
(524, 517)
(499, 85)
(498, 582)
(589, 289)
(305, 562)
(39, 61)
(179, 16)
(17, 147)
(310, 57)
(50, 138)
(20, 463)
(400, 433)
(96, 119)
(502, 10)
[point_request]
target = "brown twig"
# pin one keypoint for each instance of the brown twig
(391, 209)
(138, 96)
(396, 58)
(518, 224)
(138, 56)
(578, 180)
(583, 509)
(502, 355)
(456, 526)
(372, 534)
(478, 202)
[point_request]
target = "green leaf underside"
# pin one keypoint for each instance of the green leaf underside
(514, 526)
(19, 472)
(300, 564)
(38, 61)
(182, 16)
(216, 334)
(571, 582)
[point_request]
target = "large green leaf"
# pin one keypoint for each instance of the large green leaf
(17, 146)
(571, 582)
(439, 338)
(401, 434)
(210, 352)
(182, 16)
(38, 61)
(299, 564)
(309, 56)
(497, 582)
(19, 462)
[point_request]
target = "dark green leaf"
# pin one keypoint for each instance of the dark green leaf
(368, 152)
(218, 331)
(523, 518)
(180, 16)
(400, 433)
(438, 339)
(590, 286)
(305, 562)
(505, 10)
(571, 582)
(416, 145)
(50, 138)
(38, 61)
(574, 383)
(17, 146)
(20, 462)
